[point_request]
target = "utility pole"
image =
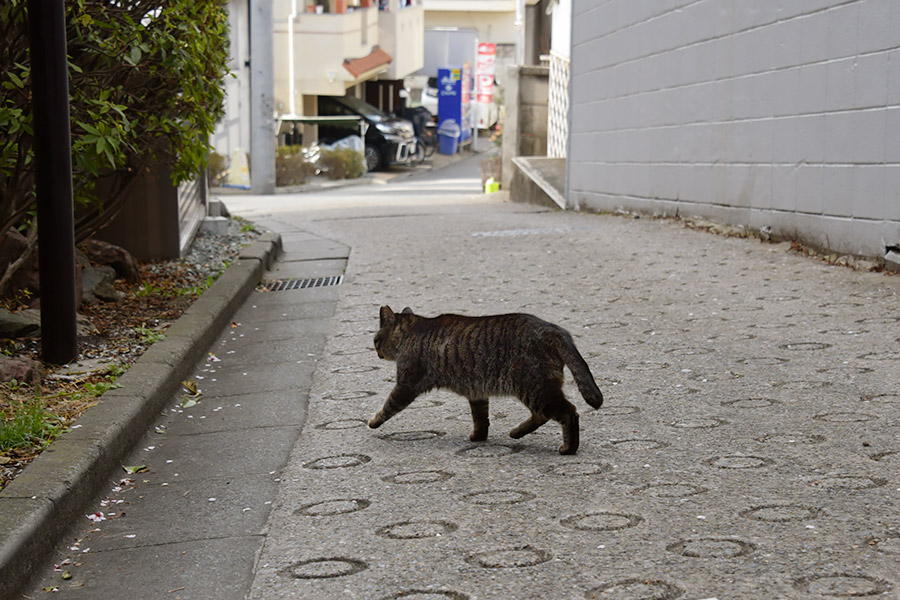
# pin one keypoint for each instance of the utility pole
(519, 24)
(262, 99)
(53, 179)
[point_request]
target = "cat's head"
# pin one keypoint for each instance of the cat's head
(390, 332)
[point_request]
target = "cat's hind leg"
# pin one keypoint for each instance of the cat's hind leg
(528, 426)
(399, 398)
(480, 419)
(563, 412)
(550, 403)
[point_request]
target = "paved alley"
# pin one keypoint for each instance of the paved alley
(748, 446)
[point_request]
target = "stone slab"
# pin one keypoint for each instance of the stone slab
(207, 568)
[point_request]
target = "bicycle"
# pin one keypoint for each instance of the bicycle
(418, 152)
(428, 140)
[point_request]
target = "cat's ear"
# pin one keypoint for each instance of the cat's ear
(407, 311)
(386, 316)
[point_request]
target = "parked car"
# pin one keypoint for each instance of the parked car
(389, 140)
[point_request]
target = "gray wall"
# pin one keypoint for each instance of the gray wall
(765, 113)
(525, 123)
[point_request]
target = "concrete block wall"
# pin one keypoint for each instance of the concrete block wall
(525, 123)
(769, 114)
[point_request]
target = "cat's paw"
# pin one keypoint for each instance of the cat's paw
(375, 422)
(478, 436)
(568, 449)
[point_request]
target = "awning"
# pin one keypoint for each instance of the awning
(375, 59)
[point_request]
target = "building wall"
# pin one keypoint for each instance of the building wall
(492, 27)
(233, 131)
(770, 114)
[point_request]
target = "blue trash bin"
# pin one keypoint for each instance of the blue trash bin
(448, 136)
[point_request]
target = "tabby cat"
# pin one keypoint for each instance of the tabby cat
(477, 357)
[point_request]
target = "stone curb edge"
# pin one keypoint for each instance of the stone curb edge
(40, 505)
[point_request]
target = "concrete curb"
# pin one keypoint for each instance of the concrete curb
(40, 505)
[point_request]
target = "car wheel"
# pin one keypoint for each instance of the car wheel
(373, 158)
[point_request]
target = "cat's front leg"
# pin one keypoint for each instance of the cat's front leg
(480, 419)
(399, 398)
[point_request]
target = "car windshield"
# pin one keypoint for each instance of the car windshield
(364, 108)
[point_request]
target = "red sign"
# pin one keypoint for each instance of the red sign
(484, 72)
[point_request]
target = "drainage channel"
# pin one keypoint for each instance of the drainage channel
(282, 285)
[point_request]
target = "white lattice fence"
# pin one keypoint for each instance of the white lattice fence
(558, 109)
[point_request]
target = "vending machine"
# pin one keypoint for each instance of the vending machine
(454, 99)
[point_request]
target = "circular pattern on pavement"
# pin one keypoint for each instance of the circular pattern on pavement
(412, 477)
(580, 469)
(353, 351)
(601, 521)
(412, 436)
(356, 369)
(341, 424)
(889, 543)
(847, 482)
(781, 513)
(339, 461)
(889, 454)
(751, 403)
(636, 588)
(616, 411)
(647, 365)
(324, 568)
(792, 438)
(881, 356)
(844, 417)
(674, 390)
(605, 325)
(670, 490)
(426, 595)
(699, 423)
(764, 361)
(689, 351)
(504, 558)
(488, 451)
(329, 508)
(638, 444)
(497, 497)
(738, 461)
(843, 585)
(711, 547)
(804, 346)
(880, 320)
(881, 398)
(351, 395)
(416, 530)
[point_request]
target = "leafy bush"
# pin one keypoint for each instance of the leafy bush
(145, 86)
(344, 163)
(292, 166)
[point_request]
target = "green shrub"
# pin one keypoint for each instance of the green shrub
(145, 88)
(291, 167)
(344, 163)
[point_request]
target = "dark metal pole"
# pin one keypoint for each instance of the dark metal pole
(53, 179)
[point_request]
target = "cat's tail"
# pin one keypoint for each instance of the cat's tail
(580, 370)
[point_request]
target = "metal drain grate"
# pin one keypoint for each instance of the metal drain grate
(281, 285)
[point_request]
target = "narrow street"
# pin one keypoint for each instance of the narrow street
(747, 447)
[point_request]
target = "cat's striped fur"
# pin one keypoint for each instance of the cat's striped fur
(501, 355)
